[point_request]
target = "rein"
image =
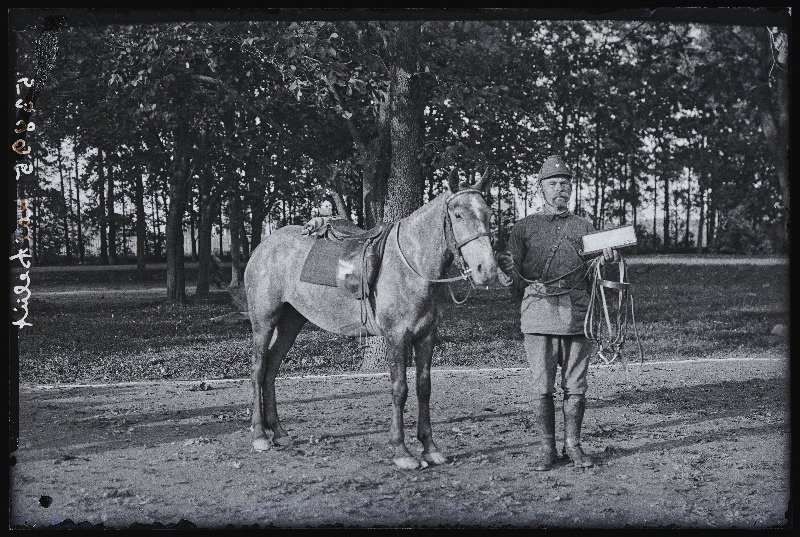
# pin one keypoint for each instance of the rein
(454, 246)
(613, 338)
(560, 277)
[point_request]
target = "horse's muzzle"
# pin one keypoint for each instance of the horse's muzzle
(484, 273)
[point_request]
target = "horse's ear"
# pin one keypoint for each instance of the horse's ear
(452, 180)
(485, 182)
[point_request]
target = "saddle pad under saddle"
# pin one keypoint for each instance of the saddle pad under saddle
(322, 262)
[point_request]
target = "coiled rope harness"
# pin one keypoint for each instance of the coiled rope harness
(610, 336)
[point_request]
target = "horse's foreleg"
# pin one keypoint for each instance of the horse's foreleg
(397, 370)
(258, 362)
(289, 325)
(423, 352)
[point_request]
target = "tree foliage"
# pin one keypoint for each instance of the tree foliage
(681, 129)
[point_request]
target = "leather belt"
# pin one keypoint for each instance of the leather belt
(560, 286)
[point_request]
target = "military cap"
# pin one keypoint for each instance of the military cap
(553, 166)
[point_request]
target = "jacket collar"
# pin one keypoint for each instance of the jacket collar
(551, 215)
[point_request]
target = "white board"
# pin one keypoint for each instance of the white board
(610, 238)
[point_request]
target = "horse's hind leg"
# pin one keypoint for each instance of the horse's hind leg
(289, 325)
(397, 370)
(272, 339)
(423, 352)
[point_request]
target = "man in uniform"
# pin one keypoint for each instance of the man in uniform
(548, 271)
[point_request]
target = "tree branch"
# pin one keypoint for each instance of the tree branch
(350, 123)
(630, 32)
(338, 199)
(242, 100)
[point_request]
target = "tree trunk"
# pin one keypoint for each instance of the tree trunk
(244, 243)
(81, 248)
(192, 237)
(623, 191)
(711, 218)
(179, 185)
(141, 226)
(341, 206)
(123, 227)
(666, 211)
(207, 213)
(675, 222)
(71, 206)
(688, 207)
(578, 185)
(701, 222)
(358, 202)
(66, 210)
(655, 203)
(563, 133)
(112, 221)
(378, 165)
(404, 192)
(233, 219)
(221, 229)
(176, 277)
(334, 188)
(774, 110)
(597, 178)
(156, 226)
(101, 191)
(259, 211)
(602, 212)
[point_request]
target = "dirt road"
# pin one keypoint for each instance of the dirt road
(694, 443)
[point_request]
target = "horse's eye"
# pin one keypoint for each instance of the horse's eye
(458, 215)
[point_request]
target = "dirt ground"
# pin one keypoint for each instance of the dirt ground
(693, 443)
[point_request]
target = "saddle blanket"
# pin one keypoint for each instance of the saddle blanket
(322, 262)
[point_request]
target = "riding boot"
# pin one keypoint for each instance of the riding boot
(544, 413)
(574, 407)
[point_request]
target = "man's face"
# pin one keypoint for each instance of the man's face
(325, 208)
(557, 191)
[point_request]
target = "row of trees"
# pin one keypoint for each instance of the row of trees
(159, 130)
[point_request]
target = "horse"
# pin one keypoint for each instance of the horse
(404, 304)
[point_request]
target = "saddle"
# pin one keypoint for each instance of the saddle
(358, 254)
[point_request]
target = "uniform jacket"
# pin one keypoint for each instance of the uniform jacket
(547, 250)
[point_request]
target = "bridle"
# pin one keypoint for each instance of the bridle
(453, 246)
(611, 337)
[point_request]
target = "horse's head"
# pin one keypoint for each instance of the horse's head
(467, 227)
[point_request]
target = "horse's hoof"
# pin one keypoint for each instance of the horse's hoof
(434, 457)
(282, 441)
(262, 444)
(406, 463)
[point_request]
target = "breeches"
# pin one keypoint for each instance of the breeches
(546, 352)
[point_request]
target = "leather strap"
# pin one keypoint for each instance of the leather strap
(620, 286)
(553, 250)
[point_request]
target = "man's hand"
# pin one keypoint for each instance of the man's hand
(505, 262)
(610, 255)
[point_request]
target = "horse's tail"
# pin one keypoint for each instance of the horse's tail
(238, 298)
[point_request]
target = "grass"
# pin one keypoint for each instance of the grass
(682, 311)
